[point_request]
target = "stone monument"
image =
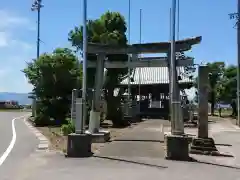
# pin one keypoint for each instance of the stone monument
(203, 144)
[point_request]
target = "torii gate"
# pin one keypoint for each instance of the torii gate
(148, 48)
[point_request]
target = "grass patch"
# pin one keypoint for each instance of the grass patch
(59, 141)
(15, 110)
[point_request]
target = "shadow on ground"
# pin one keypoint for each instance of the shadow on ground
(216, 164)
(138, 140)
(130, 161)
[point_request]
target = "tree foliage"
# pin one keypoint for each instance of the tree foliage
(53, 77)
(216, 72)
(228, 84)
(110, 28)
(223, 84)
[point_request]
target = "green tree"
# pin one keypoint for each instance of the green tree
(227, 87)
(216, 72)
(53, 77)
(110, 28)
(229, 84)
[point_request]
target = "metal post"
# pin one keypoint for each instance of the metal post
(129, 58)
(174, 91)
(238, 68)
(84, 80)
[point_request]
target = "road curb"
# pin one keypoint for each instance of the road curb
(43, 141)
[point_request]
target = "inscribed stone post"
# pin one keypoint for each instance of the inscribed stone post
(73, 106)
(34, 102)
(203, 84)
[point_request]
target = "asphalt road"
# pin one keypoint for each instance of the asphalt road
(25, 163)
(24, 145)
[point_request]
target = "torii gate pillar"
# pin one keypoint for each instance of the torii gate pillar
(98, 135)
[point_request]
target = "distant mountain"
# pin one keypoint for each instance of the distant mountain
(22, 98)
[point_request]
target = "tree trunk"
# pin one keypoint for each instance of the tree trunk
(212, 102)
(114, 111)
(110, 106)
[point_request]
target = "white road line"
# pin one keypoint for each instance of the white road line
(12, 143)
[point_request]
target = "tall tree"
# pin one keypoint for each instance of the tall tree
(110, 28)
(53, 77)
(216, 70)
(228, 87)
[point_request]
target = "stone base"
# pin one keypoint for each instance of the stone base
(99, 137)
(204, 146)
(127, 118)
(177, 147)
(94, 122)
(79, 145)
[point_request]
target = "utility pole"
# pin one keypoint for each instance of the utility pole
(129, 58)
(176, 115)
(140, 55)
(236, 17)
(36, 6)
(84, 81)
(178, 18)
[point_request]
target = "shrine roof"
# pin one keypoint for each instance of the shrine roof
(155, 75)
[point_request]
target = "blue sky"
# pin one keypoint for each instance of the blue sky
(208, 18)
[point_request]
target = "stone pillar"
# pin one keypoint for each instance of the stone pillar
(98, 135)
(94, 122)
(34, 104)
(73, 106)
(203, 144)
(79, 125)
(203, 84)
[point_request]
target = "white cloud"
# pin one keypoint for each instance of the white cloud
(14, 52)
(21, 44)
(13, 81)
(9, 19)
(3, 39)
(7, 41)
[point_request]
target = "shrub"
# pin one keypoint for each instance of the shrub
(51, 113)
(68, 128)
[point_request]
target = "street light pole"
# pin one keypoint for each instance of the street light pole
(176, 115)
(36, 6)
(236, 16)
